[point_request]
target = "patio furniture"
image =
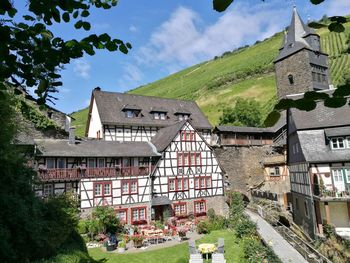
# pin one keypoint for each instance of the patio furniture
(207, 249)
(221, 244)
(218, 258)
(196, 258)
(192, 247)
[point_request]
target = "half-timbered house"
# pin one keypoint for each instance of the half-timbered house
(146, 157)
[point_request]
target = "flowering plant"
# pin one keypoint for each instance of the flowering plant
(182, 230)
(137, 238)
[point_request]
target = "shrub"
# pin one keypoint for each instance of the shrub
(255, 252)
(236, 206)
(245, 227)
(203, 227)
(122, 244)
(107, 220)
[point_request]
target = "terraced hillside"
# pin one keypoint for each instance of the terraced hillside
(247, 73)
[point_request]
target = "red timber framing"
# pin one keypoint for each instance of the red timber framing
(189, 159)
(138, 215)
(200, 207)
(202, 182)
(178, 184)
(129, 186)
(102, 190)
(188, 136)
(122, 215)
(180, 208)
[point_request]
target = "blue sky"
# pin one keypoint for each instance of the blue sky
(168, 36)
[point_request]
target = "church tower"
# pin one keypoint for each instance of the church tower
(301, 65)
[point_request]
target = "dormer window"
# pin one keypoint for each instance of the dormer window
(159, 115)
(132, 113)
(338, 143)
(183, 117)
(291, 79)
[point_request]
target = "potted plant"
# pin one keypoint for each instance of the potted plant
(121, 246)
(137, 239)
(182, 231)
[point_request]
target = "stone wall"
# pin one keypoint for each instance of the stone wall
(297, 65)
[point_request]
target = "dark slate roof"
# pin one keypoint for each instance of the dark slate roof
(95, 148)
(239, 129)
(316, 149)
(294, 40)
(161, 200)
(338, 131)
(164, 136)
(321, 117)
(111, 104)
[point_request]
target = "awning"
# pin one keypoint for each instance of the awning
(160, 200)
(339, 131)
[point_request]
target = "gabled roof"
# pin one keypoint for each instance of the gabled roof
(315, 148)
(111, 104)
(295, 38)
(164, 136)
(94, 148)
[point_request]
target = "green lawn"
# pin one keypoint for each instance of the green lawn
(175, 254)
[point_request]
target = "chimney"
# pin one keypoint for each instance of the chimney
(71, 135)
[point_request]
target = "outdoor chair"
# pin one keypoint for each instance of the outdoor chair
(221, 244)
(192, 248)
(196, 258)
(218, 258)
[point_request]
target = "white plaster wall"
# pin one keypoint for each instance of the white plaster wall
(95, 124)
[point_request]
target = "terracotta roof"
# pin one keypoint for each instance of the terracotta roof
(111, 104)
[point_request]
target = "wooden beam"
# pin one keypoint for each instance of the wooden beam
(328, 213)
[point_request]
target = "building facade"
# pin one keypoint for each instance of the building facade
(147, 163)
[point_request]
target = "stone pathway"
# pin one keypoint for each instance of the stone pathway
(280, 246)
(174, 242)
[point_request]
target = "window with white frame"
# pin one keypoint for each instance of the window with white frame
(199, 207)
(337, 143)
(180, 209)
(129, 186)
(122, 215)
(138, 214)
(102, 189)
(274, 171)
(337, 175)
(178, 184)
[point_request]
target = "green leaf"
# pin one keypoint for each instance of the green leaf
(85, 13)
(12, 12)
(123, 49)
(313, 95)
(66, 17)
(336, 27)
(317, 25)
(79, 24)
(338, 19)
(111, 46)
(305, 104)
(104, 37)
(221, 5)
(284, 104)
(75, 14)
(342, 91)
(128, 45)
(56, 84)
(335, 102)
(272, 119)
(316, 2)
(29, 18)
(86, 26)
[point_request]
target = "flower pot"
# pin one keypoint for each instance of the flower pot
(137, 243)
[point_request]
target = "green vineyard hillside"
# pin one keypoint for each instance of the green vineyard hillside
(247, 72)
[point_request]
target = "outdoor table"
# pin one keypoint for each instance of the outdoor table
(207, 249)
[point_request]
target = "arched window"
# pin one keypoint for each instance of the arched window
(291, 79)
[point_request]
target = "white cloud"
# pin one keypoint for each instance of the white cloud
(82, 68)
(86, 103)
(132, 28)
(182, 40)
(338, 7)
(131, 77)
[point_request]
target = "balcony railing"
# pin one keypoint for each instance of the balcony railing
(324, 193)
(67, 174)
